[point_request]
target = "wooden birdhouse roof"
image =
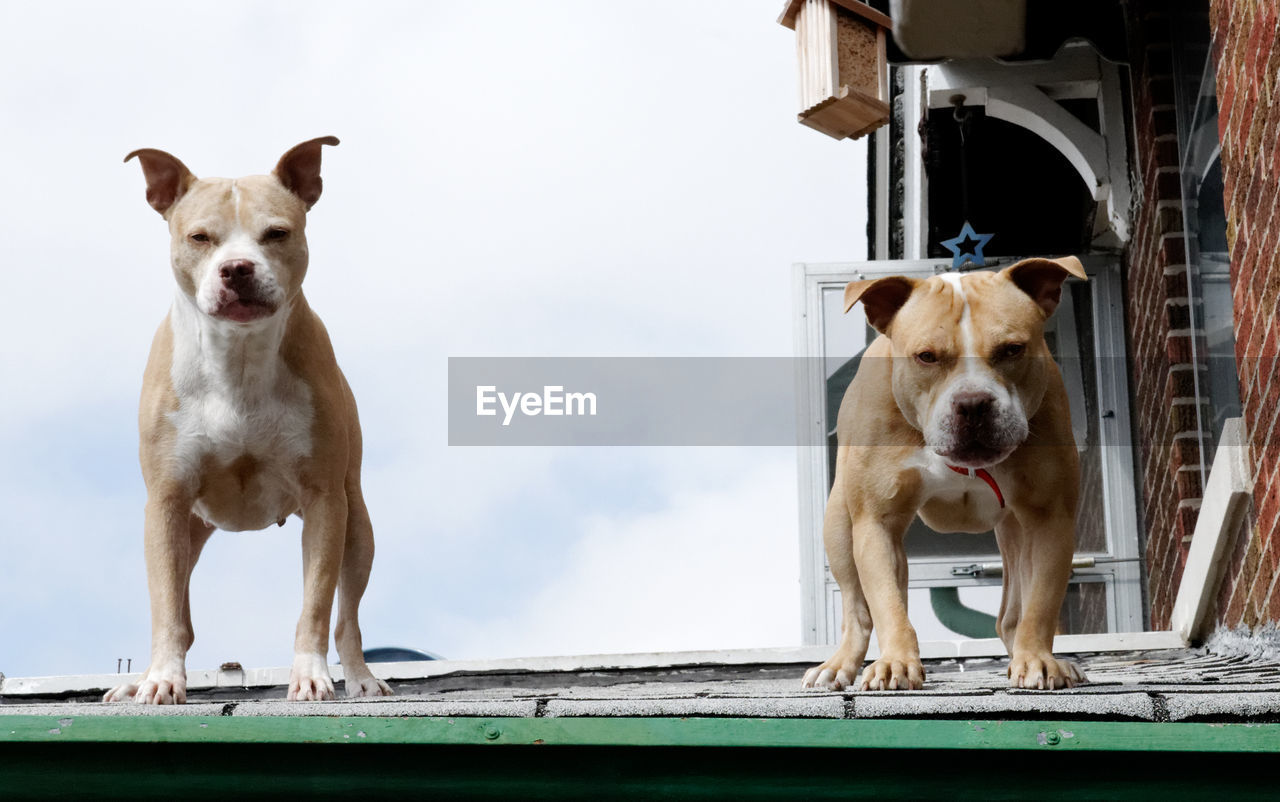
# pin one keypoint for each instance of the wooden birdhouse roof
(788, 17)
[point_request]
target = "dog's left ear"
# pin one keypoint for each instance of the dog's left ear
(1042, 279)
(299, 169)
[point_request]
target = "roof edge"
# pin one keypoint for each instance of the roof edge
(204, 679)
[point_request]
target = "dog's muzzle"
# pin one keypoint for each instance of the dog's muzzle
(241, 297)
(979, 431)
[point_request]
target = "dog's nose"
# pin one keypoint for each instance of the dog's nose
(972, 405)
(233, 269)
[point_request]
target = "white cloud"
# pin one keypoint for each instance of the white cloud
(713, 569)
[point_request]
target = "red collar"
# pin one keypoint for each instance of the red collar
(982, 474)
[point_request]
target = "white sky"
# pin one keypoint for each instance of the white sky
(515, 178)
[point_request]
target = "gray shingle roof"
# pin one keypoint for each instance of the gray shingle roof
(1160, 685)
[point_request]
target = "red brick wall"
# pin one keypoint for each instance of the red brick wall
(1246, 47)
(1157, 309)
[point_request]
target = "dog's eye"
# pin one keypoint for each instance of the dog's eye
(275, 234)
(927, 358)
(1011, 351)
(199, 236)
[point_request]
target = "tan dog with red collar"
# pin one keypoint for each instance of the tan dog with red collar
(957, 414)
(246, 418)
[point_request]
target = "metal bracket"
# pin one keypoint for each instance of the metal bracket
(976, 570)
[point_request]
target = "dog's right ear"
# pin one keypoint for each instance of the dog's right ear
(882, 298)
(167, 178)
(1042, 279)
(299, 169)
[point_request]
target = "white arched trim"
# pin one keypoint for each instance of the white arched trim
(1030, 108)
(1027, 95)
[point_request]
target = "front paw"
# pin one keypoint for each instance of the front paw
(162, 691)
(369, 685)
(834, 675)
(157, 687)
(893, 673)
(1042, 671)
(123, 692)
(309, 680)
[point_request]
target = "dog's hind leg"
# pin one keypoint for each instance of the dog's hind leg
(1009, 537)
(324, 520)
(357, 560)
(837, 533)
(200, 534)
(1037, 555)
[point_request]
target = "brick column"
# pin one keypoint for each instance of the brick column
(1247, 52)
(1159, 320)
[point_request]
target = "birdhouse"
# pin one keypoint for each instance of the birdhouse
(844, 75)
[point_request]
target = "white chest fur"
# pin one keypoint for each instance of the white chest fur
(237, 399)
(973, 500)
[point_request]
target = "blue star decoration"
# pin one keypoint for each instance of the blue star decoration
(967, 247)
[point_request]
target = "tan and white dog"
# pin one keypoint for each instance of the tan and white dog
(957, 414)
(246, 419)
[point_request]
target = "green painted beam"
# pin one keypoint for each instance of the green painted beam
(322, 771)
(1060, 736)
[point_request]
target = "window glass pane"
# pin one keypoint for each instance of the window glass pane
(1085, 609)
(844, 339)
(1080, 369)
(1224, 388)
(1205, 225)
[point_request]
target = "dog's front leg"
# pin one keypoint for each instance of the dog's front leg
(1045, 550)
(173, 539)
(324, 523)
(839, 672)
(881, 557)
